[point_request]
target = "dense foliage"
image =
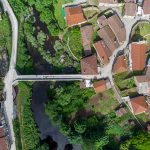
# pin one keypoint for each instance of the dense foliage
(141, 32)
(5, 34)
(67, 109)
(138, 142)
(41, 30)
(73, 38)
(65, 101)
(26, 132)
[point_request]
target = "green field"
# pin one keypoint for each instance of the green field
(75, 42)
(142, 31)
(59, 13)
(125, 83)
(104, 103)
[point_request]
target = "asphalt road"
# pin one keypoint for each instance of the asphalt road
(11, 73)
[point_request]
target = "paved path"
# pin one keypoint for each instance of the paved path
(61, 77)
(11, 73)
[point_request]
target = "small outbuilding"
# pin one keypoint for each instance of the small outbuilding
(120, 65)
(101, 85)
(74, 15)
(89, 65)
(138, 105)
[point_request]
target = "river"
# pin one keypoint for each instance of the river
(39, 98)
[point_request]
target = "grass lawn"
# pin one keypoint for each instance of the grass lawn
(119, 125)
(125, 83)
(58, 12)
(93, 21)
(75, 41)
(142, 31)
(130, 91)
(90, 13)
(104, 102)
(145, 31)
(121, 9)
(142, 117)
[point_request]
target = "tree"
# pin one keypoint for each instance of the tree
(80, 126)
(114, 129)
(41, 37)
(138, 142)
(64, 99)
(75, 138)
(58, 45)
(46, 16)
(100, 143)
(65, 129)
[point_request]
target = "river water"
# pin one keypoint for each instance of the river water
(39, 98)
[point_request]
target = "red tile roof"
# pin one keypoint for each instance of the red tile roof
(120, 65)
(117, 27)
(3, 144)
(74, 15)
(144, 78)
(109, 37)
(138, 56)
(86, 32)
(100, 86)
(130, 9)
(139, 105)
(89, 65)
(103, 51)
(146, 7)
(102, 21)
(112, 31)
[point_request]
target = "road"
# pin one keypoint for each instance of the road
(62, 77)
(11, 73)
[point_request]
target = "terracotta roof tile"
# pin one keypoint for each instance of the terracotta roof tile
(86, 32)
(103, 51)
(109, 38)
(3, 144)
(144, 78)
(139, 105)
(100, 86)
(112, 31)
(146, 7)
(130, 9)
(120, 65)
(117, 27)
(89, 65)
(102, 21)
(138, 56)
(74, 15)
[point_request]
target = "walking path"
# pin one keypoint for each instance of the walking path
(10, 75)
(146, 35)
